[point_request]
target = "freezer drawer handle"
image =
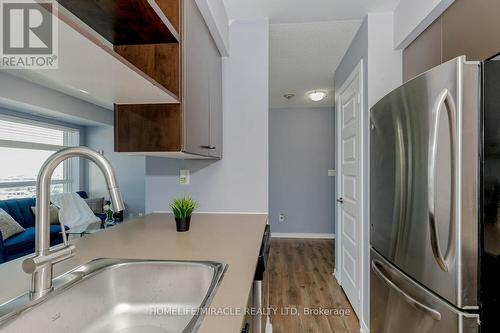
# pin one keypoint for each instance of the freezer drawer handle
(444, 98)
(410, 300)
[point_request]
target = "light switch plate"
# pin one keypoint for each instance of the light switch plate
(331, 173)
(184, 177)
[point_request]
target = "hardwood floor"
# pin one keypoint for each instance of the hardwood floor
(300, 275)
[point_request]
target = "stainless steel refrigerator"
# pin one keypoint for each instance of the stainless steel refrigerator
(434, 202)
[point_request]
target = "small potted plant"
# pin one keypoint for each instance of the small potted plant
(183, 208)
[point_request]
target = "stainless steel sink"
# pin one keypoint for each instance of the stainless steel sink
(120, 295)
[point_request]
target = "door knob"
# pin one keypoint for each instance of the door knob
(340, 200)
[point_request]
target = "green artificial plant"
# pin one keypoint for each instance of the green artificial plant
(183, 207)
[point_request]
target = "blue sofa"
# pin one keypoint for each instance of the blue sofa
(24, 243)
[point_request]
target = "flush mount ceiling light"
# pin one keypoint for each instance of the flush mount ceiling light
(316, 95)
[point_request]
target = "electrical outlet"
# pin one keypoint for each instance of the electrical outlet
(184, 177)
(281, 218)
(331, 173)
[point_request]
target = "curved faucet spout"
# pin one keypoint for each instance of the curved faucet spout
(41, 264)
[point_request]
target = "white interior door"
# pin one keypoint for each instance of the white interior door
(349, 186)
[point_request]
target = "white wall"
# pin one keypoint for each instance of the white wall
(385, 64)
(412, 17)
(215, 15)
(238, 182)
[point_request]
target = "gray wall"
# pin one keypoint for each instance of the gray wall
(238, 182)
(130, 170)
(301, 150)
(25, 96)
(357, 50)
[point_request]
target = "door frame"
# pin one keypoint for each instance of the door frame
(357, 71)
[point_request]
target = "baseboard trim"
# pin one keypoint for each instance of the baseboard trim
(364, 328)
(337, 276)
(301, 235)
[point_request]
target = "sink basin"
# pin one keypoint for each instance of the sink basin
(119, 295)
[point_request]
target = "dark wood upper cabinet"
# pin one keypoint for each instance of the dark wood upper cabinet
(93, 69)
(423, 53)
(148, 128)
(469, 28)
(192, 69)
(169, 43)
(127, 22)
(161, 62)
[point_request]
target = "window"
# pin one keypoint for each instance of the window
(24, 146)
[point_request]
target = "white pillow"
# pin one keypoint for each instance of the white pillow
(53, 214)
(8, 226)
(96, 204)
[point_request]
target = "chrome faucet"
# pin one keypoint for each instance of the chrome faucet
(40, 266)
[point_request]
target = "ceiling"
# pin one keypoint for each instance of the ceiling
(308, 39)
(297, 11)
(303, 57)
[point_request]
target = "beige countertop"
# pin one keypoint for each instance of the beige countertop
(230, 238)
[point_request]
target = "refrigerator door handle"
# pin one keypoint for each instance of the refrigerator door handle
(403, 177)
(376, 264)
(443, 99)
